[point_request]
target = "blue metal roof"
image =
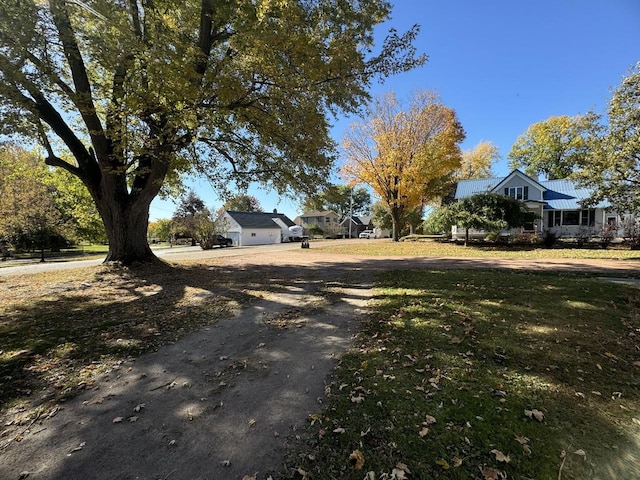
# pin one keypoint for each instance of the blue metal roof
(466, 188)
(558, 195)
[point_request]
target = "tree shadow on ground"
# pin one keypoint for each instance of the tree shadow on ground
(57, 336)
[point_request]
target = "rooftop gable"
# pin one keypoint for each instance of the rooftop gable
(259, 219)
(517, 174)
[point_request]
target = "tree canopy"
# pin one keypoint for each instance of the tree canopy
(483, 211)
(613, 168)
(341, 199)
(406, 156)
(553, 147)
(30, 218)
(128, 95)
(477, 161)
(243, 203)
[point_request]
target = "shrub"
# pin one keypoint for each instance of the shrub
(550, 238)
(525, 239)
(583, 235)
(632, 233)
(492, 237)
(607, 235)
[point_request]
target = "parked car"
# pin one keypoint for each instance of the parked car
(367, 234)
(223, 241)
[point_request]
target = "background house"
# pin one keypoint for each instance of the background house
(327, 220)
(358, 225)
(257, 228)
(556, 204)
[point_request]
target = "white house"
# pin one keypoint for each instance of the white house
(556, 204)
(257, 228)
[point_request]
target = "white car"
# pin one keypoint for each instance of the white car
(367, 234)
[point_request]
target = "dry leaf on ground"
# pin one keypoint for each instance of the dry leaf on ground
(501, 457)
(537, 414)
(357, 459)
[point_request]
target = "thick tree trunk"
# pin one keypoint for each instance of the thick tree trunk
(126, 224)
(395, 219)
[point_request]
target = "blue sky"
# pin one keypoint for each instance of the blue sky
(502, 65)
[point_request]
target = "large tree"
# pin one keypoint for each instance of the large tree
(410, 222)
(613, 168)
(243, 203)
(30, 217)
(553, 147)
(341, 199)
(477, 162)
(189, 215)
(406, 156)
(139, 92)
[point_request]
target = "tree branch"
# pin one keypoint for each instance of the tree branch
(84, 95)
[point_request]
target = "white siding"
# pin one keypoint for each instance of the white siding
(260, 236)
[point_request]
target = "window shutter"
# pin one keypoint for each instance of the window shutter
(526, 193)
(506, 191)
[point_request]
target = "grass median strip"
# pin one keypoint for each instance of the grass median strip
(486, 374)
(386, 247)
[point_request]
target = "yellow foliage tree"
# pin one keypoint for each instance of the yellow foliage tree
(477, 162)
(405, 156)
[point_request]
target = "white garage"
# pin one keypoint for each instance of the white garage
(256, 228)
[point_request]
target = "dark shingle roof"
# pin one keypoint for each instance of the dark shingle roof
(259, 219)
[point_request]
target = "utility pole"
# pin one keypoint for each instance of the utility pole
(350, 211)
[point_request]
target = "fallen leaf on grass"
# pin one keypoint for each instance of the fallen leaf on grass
(118, 420)
(139, 407)
(423, 432)
(489, 473)
(357, 459)
(249, 477)
(399, 472)
(501, 457)
(133, 419)
(443, 463)
(252, 422)
(429, 420)
(537, 414)
(357, 399)
(339, 430)
(581, 453)
(457, 462)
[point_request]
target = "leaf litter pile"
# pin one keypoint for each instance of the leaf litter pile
(485, 375)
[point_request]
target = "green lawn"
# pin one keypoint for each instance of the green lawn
(489, 375)
(385, 247)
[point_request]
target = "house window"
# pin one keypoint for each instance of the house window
(588, 217)
(571, 217)
(555, 218)
(253, 234)
(519, 193)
